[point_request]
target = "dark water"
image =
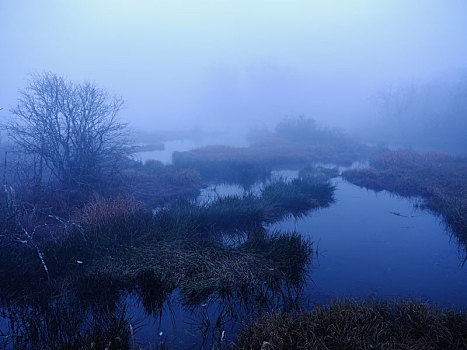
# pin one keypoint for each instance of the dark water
(368, 245)
(367, 249)
(183, 327)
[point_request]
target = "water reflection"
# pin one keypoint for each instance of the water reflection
(72, 323)
(366, 250)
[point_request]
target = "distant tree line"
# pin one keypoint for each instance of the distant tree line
(427, 115)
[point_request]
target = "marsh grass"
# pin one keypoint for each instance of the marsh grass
(200, 271)
(241, 214)
(182, 246)
(296, 197)
(247, 165)
(225, 164)
(154, 183)
(231, 214)
(116, 245)
(350, 324)
(439, 179)
(38, 222)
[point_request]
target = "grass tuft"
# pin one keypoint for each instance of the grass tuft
(350, 324)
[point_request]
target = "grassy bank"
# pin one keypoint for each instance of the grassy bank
(438, 178)
(182, 245)
(293, 144)
(225, 164)
(246, 165)
(349, 324)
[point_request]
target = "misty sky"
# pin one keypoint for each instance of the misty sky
(232, 63)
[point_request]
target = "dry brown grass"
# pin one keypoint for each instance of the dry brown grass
(101, 210)
(349, 324)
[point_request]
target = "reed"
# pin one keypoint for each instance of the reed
(351, 324)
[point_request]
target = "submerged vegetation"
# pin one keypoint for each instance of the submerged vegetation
(350, 324)
(439, 179)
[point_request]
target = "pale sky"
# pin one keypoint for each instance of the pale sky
(232, 63)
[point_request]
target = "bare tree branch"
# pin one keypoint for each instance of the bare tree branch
(72, 128)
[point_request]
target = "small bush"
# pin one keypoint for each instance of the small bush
(101, 211)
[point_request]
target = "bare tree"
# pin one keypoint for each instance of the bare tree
(71, 128)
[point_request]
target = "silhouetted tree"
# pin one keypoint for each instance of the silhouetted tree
(71, 128)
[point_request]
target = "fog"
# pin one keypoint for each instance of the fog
(233, 65)
(233, 174)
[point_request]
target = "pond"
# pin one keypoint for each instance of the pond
(367, 245)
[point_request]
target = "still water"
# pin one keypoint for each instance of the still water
(377, 244)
